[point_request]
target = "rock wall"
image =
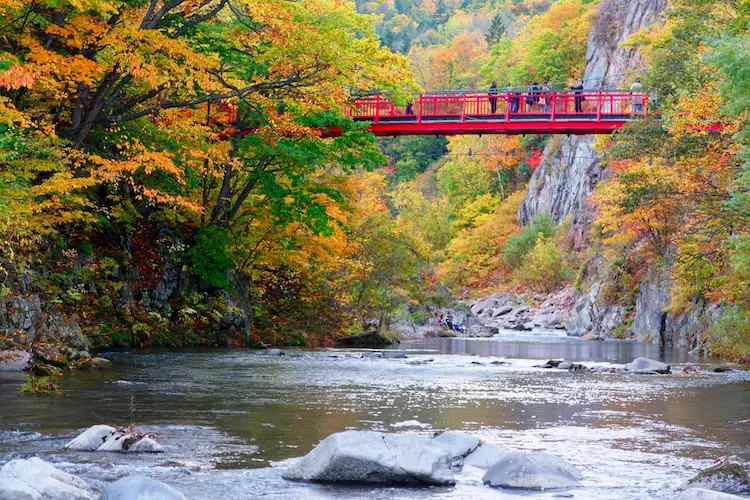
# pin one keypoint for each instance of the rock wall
(653, 321)
(570, 168)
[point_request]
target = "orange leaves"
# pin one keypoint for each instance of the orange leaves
(17, 77)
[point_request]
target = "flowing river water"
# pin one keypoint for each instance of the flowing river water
(232, 420)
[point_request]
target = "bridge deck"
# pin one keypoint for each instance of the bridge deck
(515, 113)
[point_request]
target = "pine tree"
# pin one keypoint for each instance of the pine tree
(496, 31)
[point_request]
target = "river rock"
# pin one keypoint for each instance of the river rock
(271, 352)
(95, 364)
(725, 477)
(701, 494)
(117, 442)
(371, 355)
(565, 365)
(533, 471)
(500, 311)
(14, 360)
(92, 438)
(394, 355)
(106, 438)
(140, 488)
(459, 445)
(646, 365)
(34, 479)
(146, 445)
(485, 456)
(374, 457)
(528, 326)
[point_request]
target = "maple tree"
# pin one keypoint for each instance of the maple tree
(205, 115)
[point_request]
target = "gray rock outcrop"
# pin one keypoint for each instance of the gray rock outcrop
(571, 168)
(533, 471)
(35, 479)
(140, 488)
(375, 458)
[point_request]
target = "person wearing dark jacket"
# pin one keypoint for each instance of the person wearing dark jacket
(578, 97)
(493, 97)
(515, 101)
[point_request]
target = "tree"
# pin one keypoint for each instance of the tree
(496, 30)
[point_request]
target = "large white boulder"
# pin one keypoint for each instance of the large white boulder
(40, 477)
(485, 456)
(459, 445)
(646, 365)
(374, 457)
(92, 438)
(15, 489)
(14, 360)
(106, 438)
(701, 494)
(533, 471)
(140, 488)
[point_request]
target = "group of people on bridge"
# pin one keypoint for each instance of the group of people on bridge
(538, 95)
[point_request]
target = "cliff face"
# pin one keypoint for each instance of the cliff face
(570, 171)
(570, 168)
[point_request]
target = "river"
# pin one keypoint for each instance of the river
(232, 420)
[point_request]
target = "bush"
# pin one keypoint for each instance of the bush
(544, 268)
(39, 385)
(730, 336)
(522, 243)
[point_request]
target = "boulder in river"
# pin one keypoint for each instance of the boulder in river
(459, 445)
(271, 352)
(140, 488)
(701, 494)
(94, 364)
(726, 477)
(368, 457)
(646, 365)
(146, 445)
(106, 438)
(14, 360)
(394, 355)
(485, 456)
(92, 438)
(533, 471)
(364, 339)
(35, 479)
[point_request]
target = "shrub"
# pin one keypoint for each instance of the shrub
(520, 244)
(544, 268)
(730, 336)
(39, 385)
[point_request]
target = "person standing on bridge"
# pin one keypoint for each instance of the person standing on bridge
(578, 97)
(515, 101)
(545, 99)
(637, 90)
(493, 97)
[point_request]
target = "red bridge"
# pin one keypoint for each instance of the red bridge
(519, 112)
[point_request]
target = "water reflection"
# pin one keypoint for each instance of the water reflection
(540, 346)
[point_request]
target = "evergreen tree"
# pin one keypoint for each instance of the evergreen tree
(496, 31)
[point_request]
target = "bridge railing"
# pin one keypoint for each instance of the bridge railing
(563, 105)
